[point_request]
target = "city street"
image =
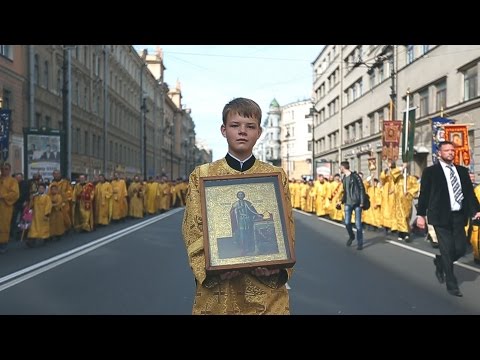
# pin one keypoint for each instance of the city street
(141, 267)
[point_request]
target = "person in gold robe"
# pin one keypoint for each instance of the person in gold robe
(136, 192)
(103, 196)
(321, 194)
(57, 224)
(42, 207)
(335, 212)
(164, 195)
(402, 202)
(65, 190)
(388, 193)
(257, 291)
(83, 196)
(151, 196)
(9, 194)
(475, 233)
(119, 193)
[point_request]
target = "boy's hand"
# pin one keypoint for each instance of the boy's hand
(229, 275)
(259, 271)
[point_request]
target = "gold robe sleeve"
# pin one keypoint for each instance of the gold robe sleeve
(192, 228)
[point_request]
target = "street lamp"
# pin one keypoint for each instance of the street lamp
(312, 116)
(67, 103)
(185, 145)
(170, 134)
(287, 136)
(144, 111)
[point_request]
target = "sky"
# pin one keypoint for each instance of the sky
(212, 75)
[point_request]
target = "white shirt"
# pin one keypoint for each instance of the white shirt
(453, 204)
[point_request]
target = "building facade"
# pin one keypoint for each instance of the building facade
(120, 111)
(297, 139)
(286, 139)
(353, 86)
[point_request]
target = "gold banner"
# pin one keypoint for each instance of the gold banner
(392, 130)
(458, 136)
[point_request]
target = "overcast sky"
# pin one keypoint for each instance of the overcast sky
(212, 75)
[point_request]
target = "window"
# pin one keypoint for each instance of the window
(48, 122)
(7, 99)
(441, 96)
(309, 129)
(85, 98)
(86, 150)
(77, 93)
(381, 73)
(6, 50)
(424, 102)
(38, 119)
(372, 79)
(471, 82)
(59, 81)
(371, 119)
(36, 71)
(425, 49)
(409, 54)
(77, 141)
(45, 75)
(99, 147)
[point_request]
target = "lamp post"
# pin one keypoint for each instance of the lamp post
(67, 103)
(144, 112)
(185, 145)
(287, 136)
(312, 116)
(170, 134)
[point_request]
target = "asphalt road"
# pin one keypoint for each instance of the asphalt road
(140, 267)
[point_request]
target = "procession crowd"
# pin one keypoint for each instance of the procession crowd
(35, 211)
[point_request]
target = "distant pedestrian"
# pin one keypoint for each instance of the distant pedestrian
(353, 199)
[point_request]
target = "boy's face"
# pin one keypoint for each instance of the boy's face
(242, 134)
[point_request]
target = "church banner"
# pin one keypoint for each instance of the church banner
(5, 116)
(458, 135)
(392, 130)
(438, 134)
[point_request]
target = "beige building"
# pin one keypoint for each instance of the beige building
(120, 108)
(297, 139)
(353, 86)
(13, 88)
(286, 139)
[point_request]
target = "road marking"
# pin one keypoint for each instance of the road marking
(36, 269)
(303, 212)
(393, 242)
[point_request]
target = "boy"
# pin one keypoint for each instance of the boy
(259, 291)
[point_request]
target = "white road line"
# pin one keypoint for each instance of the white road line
(423, 252)
(303, 212)
(34, 270)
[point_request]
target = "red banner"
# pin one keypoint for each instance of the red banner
(458, 135)
(392, 129)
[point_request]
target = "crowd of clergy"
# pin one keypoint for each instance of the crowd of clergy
(35, 211)
(391, 202)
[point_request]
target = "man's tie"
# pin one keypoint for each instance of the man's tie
(457, 190)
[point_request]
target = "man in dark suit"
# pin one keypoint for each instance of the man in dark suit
(447, 199)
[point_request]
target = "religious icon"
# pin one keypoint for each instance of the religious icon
(245, 223)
